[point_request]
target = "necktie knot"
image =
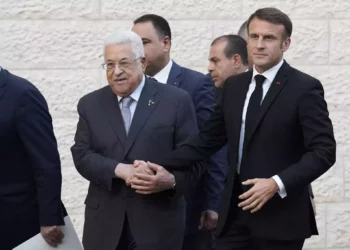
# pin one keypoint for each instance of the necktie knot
(259, 80)
(126, 101)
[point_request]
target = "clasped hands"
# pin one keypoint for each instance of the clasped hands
(145, 177)
(148, 178)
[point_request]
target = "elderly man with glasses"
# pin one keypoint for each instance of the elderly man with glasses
(133, 118)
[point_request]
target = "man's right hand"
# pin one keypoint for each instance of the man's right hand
(52, 235)
(124, 171)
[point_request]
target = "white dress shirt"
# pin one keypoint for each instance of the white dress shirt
(135, 96)
(269, 75)
(163, 75)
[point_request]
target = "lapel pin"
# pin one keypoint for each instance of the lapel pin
(278, 83)
(175, 83)
(150, 102)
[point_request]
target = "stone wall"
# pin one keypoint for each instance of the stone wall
(57, 45)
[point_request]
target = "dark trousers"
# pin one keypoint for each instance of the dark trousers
(126, 241)
(237, 235)
(202, 240)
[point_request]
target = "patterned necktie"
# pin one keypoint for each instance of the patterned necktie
(126, 113)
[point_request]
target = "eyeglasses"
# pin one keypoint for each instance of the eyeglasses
(121, 65)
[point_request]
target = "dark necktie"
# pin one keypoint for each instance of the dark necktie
(246, 171)
(254, 104)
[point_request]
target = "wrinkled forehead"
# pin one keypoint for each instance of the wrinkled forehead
(118, 52)
(265, 28)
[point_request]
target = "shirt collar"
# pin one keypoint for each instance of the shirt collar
(137, 92)
(163, 75)
(269, 74)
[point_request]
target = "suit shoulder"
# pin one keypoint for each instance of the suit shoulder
(241, 78)
(172, 93)
(196, 76)
(21, 85)
(304, 79)
(169, 90)
(94, 95)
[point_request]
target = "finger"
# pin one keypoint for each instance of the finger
(201, 221)
(139, 182)
(210, 224)
(252, 204)
(148, 171)
(50, 242)
(247, 194)
(55, 236)
(140, 188)
(53, 233)
(247, 202)
(214, 223)
(145, 177)
(144, 192)
(154, 167)
(136, 163)
(258, 207)
(250, 182)
(207, 224)
(60, 233)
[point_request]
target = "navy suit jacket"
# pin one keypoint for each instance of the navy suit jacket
(30, 179)
(204, 187)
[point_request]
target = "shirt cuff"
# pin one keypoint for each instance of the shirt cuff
(282, 190)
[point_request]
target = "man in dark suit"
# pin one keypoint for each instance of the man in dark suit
(243, 32)
(203, 191)
(280, 139)
(30, 179)
(227, 57)
(117, 124)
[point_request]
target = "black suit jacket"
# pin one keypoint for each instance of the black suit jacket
(156, 221)
(293, 138)
(30, 179)
(204, 186)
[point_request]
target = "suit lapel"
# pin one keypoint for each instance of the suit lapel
(237, 104)
(3, 81)
(145, 106)
(111, 105)
(175, 75)
(276, 86)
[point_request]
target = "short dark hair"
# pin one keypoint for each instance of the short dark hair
(275, 16)
(235, 45)
(159, 23)
(243, 30)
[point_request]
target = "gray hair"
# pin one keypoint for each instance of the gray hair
(127, 37)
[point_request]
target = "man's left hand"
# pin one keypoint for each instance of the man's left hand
(256, 197)
(208, 220)
(149, 184)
